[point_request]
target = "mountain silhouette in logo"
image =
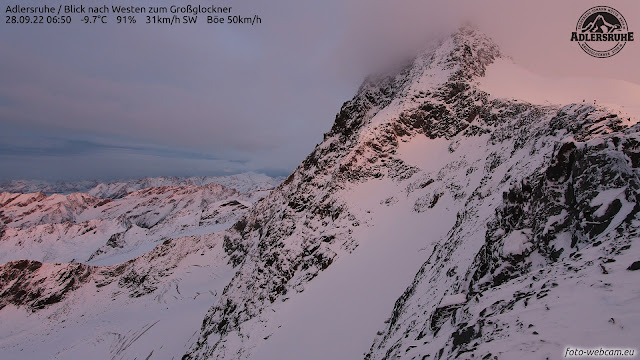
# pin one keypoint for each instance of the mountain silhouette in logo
(600, 25)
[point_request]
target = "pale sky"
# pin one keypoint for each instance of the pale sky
(110, 101)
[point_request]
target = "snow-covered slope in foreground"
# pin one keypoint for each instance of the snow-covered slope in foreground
(147, 308)
(434, 221)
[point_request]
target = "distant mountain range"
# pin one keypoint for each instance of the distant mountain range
(244, 182)
(116, 222)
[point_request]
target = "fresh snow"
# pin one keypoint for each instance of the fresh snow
(107, 323)
(516, 242)
(453, 299)
(338, 314)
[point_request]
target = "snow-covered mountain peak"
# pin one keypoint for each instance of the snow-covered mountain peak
(422, 156)
(442, 79)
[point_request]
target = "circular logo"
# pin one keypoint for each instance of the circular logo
(602, 32)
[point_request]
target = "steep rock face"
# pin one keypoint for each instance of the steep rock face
(297, 231)
(303, 226)
(28, 283)
(493, 146)
(291, 235)
(585, 192)
(566, 217)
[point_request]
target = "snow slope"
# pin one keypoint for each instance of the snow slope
(351, 298)
(119, 315)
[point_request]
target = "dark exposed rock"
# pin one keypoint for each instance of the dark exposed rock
(22, 283)
(634, 266)
(567, 188)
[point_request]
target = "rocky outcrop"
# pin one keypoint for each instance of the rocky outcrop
(301, 228)
(573, 215)
(35, 285)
